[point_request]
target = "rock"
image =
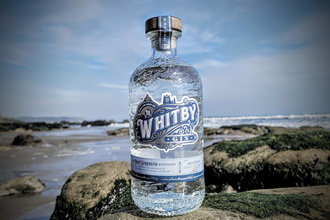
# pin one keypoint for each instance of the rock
(95, 193)
(87, 189)
(255, 129)
(11, 126)
(217, 131)
(85, 123)
(300, 158)
(248, 128)
(291, 203)
(42, 126)
(65, 124)
(98, 123)
(22, 184)
(35, 126)
(119, 132)
(321, 194)
(281, 130)
(134, 213)
(237, 130)
(27, 140)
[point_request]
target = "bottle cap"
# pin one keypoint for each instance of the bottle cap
(152, 24)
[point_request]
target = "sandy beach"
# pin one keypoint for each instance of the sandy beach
(52, 164)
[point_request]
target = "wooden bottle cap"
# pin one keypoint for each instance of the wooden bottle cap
(152, 24)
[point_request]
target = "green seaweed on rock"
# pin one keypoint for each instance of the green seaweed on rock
(118, 198)
(66, 210)
(262, 205)
(295, 140)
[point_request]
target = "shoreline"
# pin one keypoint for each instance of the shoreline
(52, 164)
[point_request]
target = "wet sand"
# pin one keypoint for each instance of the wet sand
(52, 164)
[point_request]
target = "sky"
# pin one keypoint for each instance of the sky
(75, 58)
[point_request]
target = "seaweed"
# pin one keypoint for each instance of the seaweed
(263, 205)
(119, 197)
(295, 140)
(68, 210)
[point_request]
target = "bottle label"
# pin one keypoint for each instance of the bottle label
(165, 32)
(168, 170)
(166, 125)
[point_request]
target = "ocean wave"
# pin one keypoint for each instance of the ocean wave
(268, 117)
(289, 121)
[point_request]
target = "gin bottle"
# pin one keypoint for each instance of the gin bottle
(166, 126)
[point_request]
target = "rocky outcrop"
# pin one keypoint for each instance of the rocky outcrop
(254, 129)
(27, 140)
(297, 157)
(237, 129)
(134, 213)
(21, 185)
(118, 132)
(116, 203)
(93, 190)
(300, 158)
(36, 126)
(291, 203)
(97, 123)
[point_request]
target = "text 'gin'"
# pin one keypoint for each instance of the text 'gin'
(166, 126)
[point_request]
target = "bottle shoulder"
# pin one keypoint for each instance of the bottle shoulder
(173, 69)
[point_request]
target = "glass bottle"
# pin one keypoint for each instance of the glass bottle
(166, 126)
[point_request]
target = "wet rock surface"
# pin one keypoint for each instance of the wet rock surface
(84, 190)
(35, 126)
(27, 140)
(98, 123)
(284, 203)
(255, 129)
(21, 185)
(237, 129)
(118, 132)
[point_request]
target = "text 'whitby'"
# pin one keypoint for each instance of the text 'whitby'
(166, 120)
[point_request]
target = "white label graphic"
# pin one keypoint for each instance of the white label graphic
(168, 170)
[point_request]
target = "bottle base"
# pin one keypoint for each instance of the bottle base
(169, 203)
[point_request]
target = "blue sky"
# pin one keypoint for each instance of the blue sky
(75, 58)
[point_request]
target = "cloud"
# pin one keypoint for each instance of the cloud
(209, 64)
(292, 82)
(69, 12)
(18, 53)
(198, 39)
(310, 29)
(113, 86)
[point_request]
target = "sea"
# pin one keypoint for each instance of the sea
(287, 121)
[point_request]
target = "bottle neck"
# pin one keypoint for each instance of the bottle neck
(157, 50)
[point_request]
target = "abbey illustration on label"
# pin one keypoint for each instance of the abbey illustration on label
(168, 125)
